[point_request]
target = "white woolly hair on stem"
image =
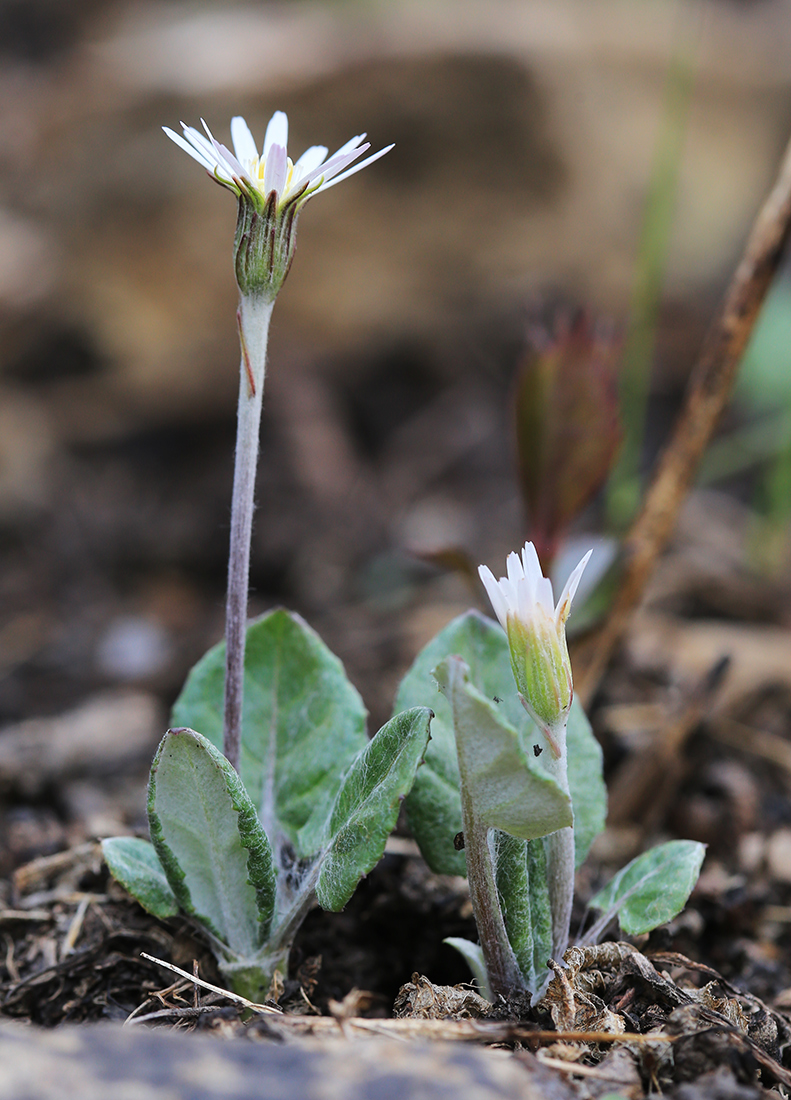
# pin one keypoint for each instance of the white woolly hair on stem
(502, 968)
(560, 861)
(254, 314)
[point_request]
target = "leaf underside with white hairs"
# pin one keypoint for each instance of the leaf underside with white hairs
(521, 870)
(209, 841)
(508, 789)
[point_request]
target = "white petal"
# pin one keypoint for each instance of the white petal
(567, 595)
(499, 602)
(243, 141)
(513, 568)
(523, 602)
(275, 169)
(196, 138)
(209, 134)
(276, 132)
(351, 144)
(310, 160)
(544, 595)
(336, 164)
(511, 594)
(215, 149)
(226, 159)
(531, 563)
(196, 154)
(355, 168)
(540, 586)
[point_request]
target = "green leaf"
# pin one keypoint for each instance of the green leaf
(434, 805)
(134, 863)
(472, 953)
(586, 781)
(302, 726)
(653, 888)
(209, 841)
(521, 870)
(508, 789)
(367, 805)
(763, 379)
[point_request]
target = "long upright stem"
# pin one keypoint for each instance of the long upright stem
(502, 968)
(560, 863)
(253, 317)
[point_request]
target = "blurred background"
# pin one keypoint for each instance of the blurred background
(551, 155)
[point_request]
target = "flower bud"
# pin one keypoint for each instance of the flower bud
(536, 629)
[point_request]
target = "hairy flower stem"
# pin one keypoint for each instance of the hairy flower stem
(503, 971)
(254, 314)
(560, 862)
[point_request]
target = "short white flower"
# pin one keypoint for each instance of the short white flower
(536, 628)
(256, 175)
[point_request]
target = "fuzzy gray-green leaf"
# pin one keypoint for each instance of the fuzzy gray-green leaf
(653, 888)
(586, 781)
(209, 841)
(521, 870)
(434, 805)
(367, 805)
(302, 726)
(134, 863)
(508, 789)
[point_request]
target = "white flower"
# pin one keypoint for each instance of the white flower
(536, 628)
(257, 175)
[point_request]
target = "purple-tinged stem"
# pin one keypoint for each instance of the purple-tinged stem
(502, 968)
(253, 318)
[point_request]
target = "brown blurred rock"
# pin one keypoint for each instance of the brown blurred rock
(87, 1062)
(106, 734)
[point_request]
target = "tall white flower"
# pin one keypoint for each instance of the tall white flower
(536, 628)
(271, 189)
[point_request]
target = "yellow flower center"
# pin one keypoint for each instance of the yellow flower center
(258, 168)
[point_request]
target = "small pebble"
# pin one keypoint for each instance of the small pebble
(133, 648)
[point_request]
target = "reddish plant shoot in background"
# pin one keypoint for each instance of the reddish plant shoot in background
(567, 424)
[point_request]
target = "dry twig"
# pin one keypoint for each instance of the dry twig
(195, 980)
